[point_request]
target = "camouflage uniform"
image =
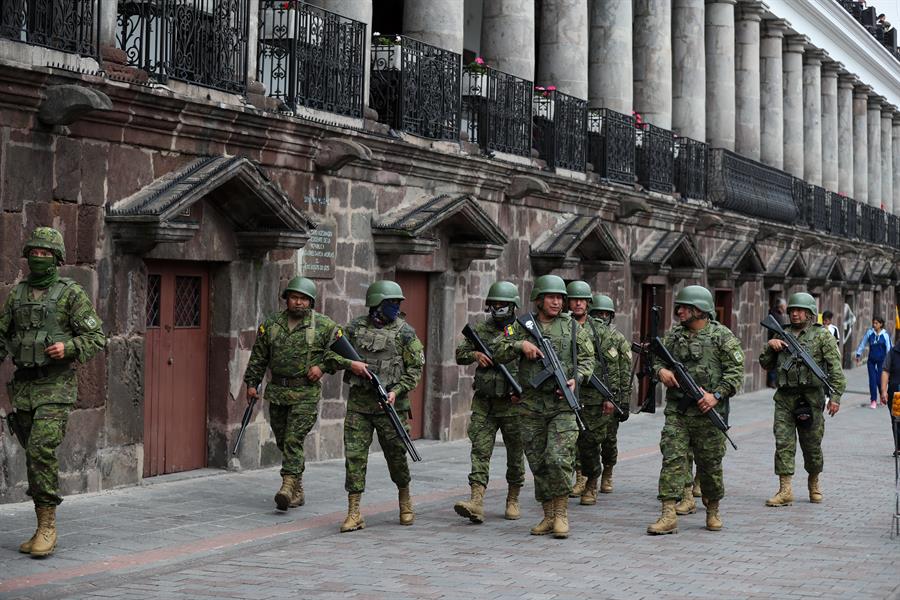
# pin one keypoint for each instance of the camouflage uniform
(492, 411)
(396, 355)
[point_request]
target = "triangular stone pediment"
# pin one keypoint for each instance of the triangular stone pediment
(858, 271)
(826, 268)
(580, 241)
(671, 253)
(737, 260)
(885, 271)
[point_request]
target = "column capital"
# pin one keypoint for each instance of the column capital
(831, 68)
(887, 110)
(875, 101)
(749, 10)
(732, 2)
(814, 56)
(896, 117)
(796, 43)
(847, 80)
(775, 28)
(861, 91)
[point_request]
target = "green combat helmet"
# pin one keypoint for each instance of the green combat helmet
(303, 286)
(804, 301)
(579, 290)
(503, 291)
(602, 302)
(698, 297)
(49, 239)
(379, 291)
(548, 284)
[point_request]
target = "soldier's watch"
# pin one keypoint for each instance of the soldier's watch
(717, 396)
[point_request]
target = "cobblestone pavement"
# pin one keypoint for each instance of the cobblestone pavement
(215, 534)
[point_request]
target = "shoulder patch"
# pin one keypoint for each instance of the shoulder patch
(508, 331)
(738, 355)
(261, 330)
(90, 322)
(613, 352)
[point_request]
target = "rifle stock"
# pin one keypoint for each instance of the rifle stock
(479, 345)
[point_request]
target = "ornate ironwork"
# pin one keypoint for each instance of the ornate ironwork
(560, 128)
(879, 226)
(837, 215)
(749, 187)
(656, 158)
(311, 57)
(496, 110)
(867, 223)
(67, 25)
(691, 158)
(415, 87)
(853, 220)
(814, 207)
(893, 231)
(610, 145)
(196, 41)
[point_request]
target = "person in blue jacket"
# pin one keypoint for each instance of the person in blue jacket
(879, 343)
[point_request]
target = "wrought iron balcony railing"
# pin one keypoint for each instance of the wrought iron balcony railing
(560, 128)
(610, 145)
(415, 87)
(656, 158)
(743, 185)
(853, 219)
(837, 215)
(867, 223)
(893, 231)
(814, 207)
(195, 41)
(496, 110)
(67, 25)
(691, 158)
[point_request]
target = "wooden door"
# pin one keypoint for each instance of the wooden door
(415, 289)
(648, 300)
(725, 307)
(175, 368)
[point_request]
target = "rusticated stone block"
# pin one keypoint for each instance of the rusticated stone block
(92, 382)
(84, 436)
(22, 180)
(90, 226)
(67, 170)
(331, 440)
(125, 400)
(121, 466)
(132, 169)
(332, 410)
(94, 163)
(11, 241)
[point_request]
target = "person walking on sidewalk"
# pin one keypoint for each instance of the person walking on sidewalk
(494, 408)
(879, 342)
(389, 347)
(800, 398)
(47, 323)
(890, 385)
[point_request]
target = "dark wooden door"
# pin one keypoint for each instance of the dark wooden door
(175, 368)
(648, 298)
(725, 307)
(415, 289)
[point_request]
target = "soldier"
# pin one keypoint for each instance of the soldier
(493, 408)
(549, 428)
(800, 399)
(47, 323)
(712, 355)
(390, 348)
(294, 345)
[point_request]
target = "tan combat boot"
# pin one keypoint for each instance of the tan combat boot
(561, 522)
(473, 508)
(578, 488)
(512, 512)
(815, 494)
(407, 516)
(785, 495)
(546, 524)
(606, 486)
(688, 505)
(354, 518)
(667, 522)
(698, 493)
(298, 498)
(713, 520)
(284, 495)
(589, 497)
(25, 547)
(45, 538)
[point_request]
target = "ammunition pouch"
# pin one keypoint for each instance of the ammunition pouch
(803, 416)
(12, 423)
(34, 373)
(290, 382)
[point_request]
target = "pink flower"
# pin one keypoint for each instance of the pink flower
(551, 88)
(539, 88)
(479, 61)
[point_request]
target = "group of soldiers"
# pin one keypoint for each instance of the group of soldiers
(565, 427)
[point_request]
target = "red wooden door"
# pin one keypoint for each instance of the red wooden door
(175, 367)
(415, 289)
(724, 308)
(647, 302)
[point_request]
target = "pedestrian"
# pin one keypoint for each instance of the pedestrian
(827, 318)
(800, 399)
(294, 345)
(549, 428)
(713, 356)
(890, 387)
(389, 348)
(494, 407)
(779, 311)
(879, 342)
(47, 324)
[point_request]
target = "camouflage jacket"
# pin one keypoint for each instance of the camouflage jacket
(394, 353)
(816, 340)
(289, 353)
(544, 399)
(613, 354)
(713, 357)
(491, 389)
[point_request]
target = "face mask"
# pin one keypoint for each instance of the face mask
(390, 311)
(606, 320)
(500, 313)
(41, 265)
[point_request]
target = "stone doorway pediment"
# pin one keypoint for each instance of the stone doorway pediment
(826, 268)
(787, 266)
(738, 261)
(580, 241)
(858, 272)
(885, 272)
(669, 253)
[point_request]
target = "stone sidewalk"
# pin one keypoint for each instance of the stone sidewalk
(215, 534)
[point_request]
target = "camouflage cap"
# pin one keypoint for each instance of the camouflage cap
(49, 239)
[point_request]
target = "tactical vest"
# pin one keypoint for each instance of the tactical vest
(701, 351)
(276, 330)
(36, 324)
(559, 333)
(488, 381)
(795, 373)
(380, 349)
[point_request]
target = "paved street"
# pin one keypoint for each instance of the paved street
(216, 535)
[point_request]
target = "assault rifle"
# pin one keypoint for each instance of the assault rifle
(691, 392)
(552, 367)
(344, 348)
(479, 345)
(604, 390)
(245, 420)
(798, 353)
(645, 362)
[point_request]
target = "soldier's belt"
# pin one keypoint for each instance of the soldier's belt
(290, 382)
(33, 373)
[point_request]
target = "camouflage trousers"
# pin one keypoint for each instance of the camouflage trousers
(598, 446)
(787, 433)
(483, 433)
(44, 428)
(358, 428)
(550, 448)
(682, 435)
(291, 423)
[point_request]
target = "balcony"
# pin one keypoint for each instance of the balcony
(893, 231)
(691, 158)
(814, 205)
(496, 110)
(203, 42)
(611, 145)
(415, 87)
(70, 26)
(311, 57)
(751, 188)
(560, 128)
(656, 158)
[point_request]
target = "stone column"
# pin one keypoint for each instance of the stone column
(845, 134)
(652, 52)
(830, 140)
(895, 160)
(793, 104)
(358, 10)
(437, 23)
(720, 98)
(563, 50)
(887, 158)
(812, 116)
(507, 36)
(688, 68)
(771, 90)
(861, 143)
(610, 72)
(747, 79)
(874, 132)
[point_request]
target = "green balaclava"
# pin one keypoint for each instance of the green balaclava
(43, 269)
